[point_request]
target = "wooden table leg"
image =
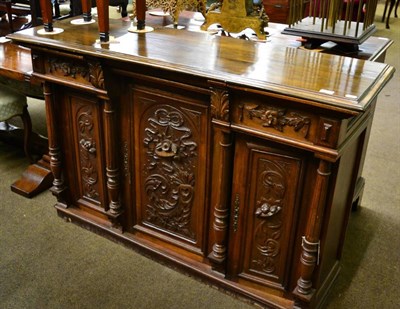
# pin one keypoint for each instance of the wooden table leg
(385, 10)
(87, 10)
(103, 20)
(37, 177)
(141, 14)
(47, 15)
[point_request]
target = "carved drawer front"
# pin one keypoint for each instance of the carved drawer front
(75, 70)
(85, 160)
(170, 156)
(266, 187)
(273, 116)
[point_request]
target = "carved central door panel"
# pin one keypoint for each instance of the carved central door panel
(267, 182)
(171, 139)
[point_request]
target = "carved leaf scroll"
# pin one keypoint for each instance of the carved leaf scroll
(96, 75)
(220, 104)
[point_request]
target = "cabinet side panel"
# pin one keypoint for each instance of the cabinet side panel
(339, 209)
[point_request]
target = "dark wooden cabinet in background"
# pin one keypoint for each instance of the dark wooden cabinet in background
(278, 11)
(236, 161)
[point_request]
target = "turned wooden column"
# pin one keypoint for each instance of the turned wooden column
(97, 79)
(47, 15)
(221, 179)
(53, 139)
(112, 167)
(309, 258)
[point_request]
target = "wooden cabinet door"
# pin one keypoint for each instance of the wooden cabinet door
(265, 199)
(171, 138)
(81, 138)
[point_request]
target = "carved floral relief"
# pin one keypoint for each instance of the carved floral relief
(87, 152)
(277, 118)
(92, 73)
(68, 68)
(170, 175)
(268, 223)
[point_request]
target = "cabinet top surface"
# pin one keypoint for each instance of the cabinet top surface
(339, 81)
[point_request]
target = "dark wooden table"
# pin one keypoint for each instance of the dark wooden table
(15, 62)
(16, 72)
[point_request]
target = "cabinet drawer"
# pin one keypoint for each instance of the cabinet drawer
(273, 116)
(75, 70)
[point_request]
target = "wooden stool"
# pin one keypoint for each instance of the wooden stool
(393, 3)
(13, 104)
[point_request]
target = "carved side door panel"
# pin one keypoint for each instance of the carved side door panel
(84, 156)
(265, 194)
(170, 158)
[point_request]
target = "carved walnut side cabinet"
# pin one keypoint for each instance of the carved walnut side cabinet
(233, 160)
